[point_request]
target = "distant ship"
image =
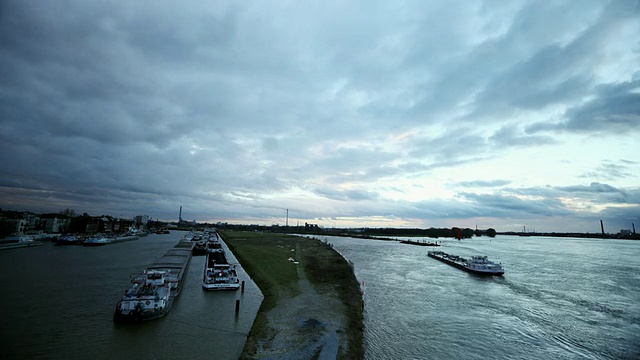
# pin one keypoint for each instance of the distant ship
(67, 239)
(476, 264)
(96, 241)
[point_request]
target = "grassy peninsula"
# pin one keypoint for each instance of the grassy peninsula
(310, 308)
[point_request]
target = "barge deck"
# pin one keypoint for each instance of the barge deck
(175, 260)
(453, 260)
(154, 291)
(479, 265)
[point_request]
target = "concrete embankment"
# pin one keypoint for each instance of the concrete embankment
(19, 244)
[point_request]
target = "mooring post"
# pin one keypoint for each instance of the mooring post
(237, 306)
(242, 285)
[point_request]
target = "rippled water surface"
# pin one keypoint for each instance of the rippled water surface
(559, 299)
(58, 302)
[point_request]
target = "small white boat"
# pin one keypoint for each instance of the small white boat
(218, 274)
(67, 239)
(96, 241)
(136, 232)
(221, 277)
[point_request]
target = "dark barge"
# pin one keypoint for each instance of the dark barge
(477, 264)
(154, 290)
(419, 243)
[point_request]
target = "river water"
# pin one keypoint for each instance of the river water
(559, 299)
(57, 303)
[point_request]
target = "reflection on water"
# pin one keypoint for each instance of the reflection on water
(59, 300)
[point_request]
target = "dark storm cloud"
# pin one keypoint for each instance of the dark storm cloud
(66, 75)
(592, 188)
(558, 72)
(454, 144)
(537, 203)
(543, 79)
(595, 193)
(432, 211)
(603, 193)
(356, 195)
(508, 205)
(80, 79)
(614, 109)
(509, 136)
(483, 183)
(231, 108)
(524, 65)
(551, 74)
(624, 216)
(611, 170)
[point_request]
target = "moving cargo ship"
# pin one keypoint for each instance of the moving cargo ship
(477, 264)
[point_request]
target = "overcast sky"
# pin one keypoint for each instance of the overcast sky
(498, 114)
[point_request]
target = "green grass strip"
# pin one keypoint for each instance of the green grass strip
(264, 256)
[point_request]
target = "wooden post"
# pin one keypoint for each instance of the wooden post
(237, 306)
(242, 285)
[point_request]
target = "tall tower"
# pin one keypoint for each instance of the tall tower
(180, 215)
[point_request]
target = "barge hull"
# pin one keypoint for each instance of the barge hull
(175, 260)
(224, 287)
(21, 244)
(447, 261)
(136, 317)
(462, 267)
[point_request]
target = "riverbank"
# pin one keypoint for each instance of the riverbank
(312, 304)
(19, 244)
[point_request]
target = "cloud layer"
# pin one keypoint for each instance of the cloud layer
(361, 114)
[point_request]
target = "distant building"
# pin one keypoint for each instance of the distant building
(625, 232)
(56, 225)
(32, 220)
(92, 226)
(182, 222)
(141, 221)
(107, 224)
(20, 226)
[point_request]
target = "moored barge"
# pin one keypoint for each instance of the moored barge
(218, 273)
(155, 289)
(419, 243)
